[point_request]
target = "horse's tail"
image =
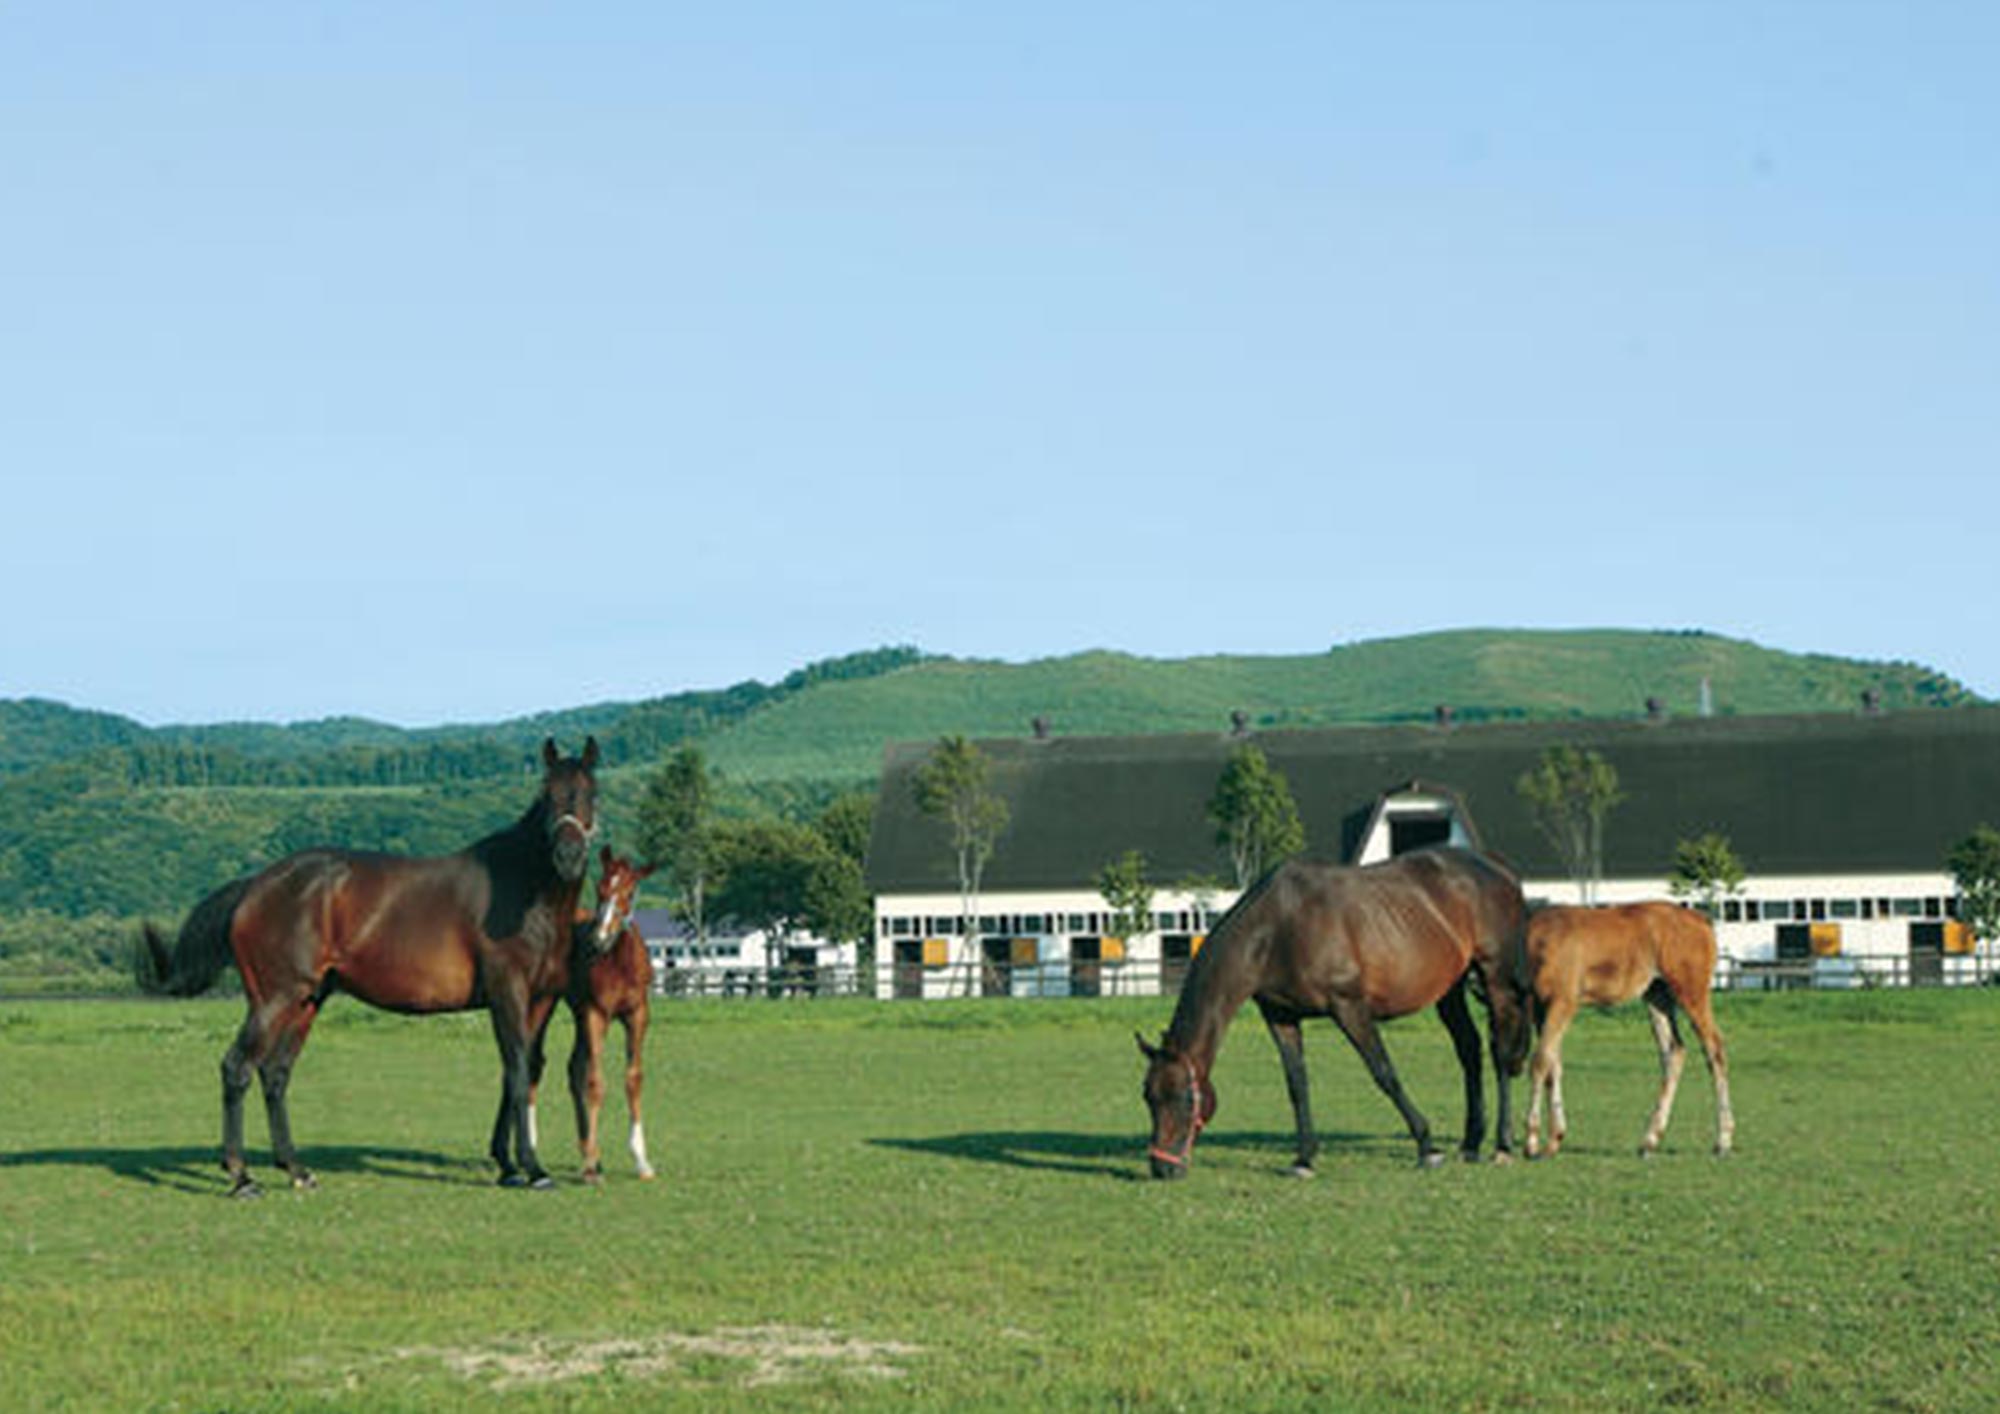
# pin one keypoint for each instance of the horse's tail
(201, 952)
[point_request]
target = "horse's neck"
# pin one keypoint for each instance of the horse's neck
(1220, 981)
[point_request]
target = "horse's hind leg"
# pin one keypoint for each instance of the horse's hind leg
(1703, 1017)
(1673, 1055)
(1457, 1018)
(236, 1071)
(288, 1037)
(1358, 1024)
(1292, 1054)
(256, 1041)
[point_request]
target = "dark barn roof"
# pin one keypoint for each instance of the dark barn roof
(1818, 794)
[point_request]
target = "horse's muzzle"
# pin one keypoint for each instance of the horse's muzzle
(571, 849)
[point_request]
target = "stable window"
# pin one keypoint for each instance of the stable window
(1844, 908)
(1732, 911)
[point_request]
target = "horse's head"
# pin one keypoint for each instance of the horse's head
(569, 806)
(1182, 1102)
(617, 888)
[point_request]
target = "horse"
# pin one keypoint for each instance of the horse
(610, 978)
(488, 927)
(1604, 956)
(1359, 945)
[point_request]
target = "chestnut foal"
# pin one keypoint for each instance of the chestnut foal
(610, 978)
(1604, 956)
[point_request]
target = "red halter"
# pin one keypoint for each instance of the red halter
(1180, 1160)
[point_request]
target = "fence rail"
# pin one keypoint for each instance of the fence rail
(1847, 973)
(1152, 978)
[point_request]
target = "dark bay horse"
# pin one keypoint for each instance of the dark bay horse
(486, 927)
(610, 979)
(1358, 945)
(1604, 956)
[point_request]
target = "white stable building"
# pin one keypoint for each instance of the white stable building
(1842, 821)
(737, 961)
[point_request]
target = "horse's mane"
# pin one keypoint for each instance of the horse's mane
(1221, 938)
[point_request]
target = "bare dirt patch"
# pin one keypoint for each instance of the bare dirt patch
(768, 1355)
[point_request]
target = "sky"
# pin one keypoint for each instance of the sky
(450, 362)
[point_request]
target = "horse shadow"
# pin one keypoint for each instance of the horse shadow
(190, 1169)
(1119, 1157)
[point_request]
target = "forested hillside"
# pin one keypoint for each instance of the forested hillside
(104, 817)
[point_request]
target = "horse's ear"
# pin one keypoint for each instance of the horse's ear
(1146, 1048)
(549, 753)
(604, 857)
(590, 753)
(647, 872)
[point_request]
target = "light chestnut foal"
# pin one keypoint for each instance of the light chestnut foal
(1604, 956)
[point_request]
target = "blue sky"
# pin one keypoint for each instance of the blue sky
(449, 362)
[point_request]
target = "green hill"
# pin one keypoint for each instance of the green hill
(101, 815)
(1482, 674)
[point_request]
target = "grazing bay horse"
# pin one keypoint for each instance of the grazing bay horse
(1358, 945)
(610, 978)
(1604, 956)
(486, 927)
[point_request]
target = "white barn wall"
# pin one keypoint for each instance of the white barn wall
(1869, 947)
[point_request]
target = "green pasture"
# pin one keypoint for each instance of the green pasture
(940, 1206)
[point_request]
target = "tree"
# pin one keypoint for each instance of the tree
(1123, 886)
(766, 877)
(952, 786)
(847, 822)
(1569, 793)
(1707, 870)
(1256, 820)
(677, 831)
(1975, 863)
(838, 905)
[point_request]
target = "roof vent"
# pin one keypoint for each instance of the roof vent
(1442, 715)
(1239, 723)
(1871, 701)
(1656, 710)
(1041, 728)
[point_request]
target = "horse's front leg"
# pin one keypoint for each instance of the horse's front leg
(1292, 1052)
(519, 1164)
(635, 1077)
(1357, 1022)
(586, 1088)
(1457, 1018)
(1510, 1036)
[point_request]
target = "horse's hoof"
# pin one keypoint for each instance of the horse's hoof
(1301, 1171)
(246, 1188)
(1723, 1151)
(1471, 1156)
(1646, 1151)
(542, 1183)
(513, 1180)
(1503, 1157)
(304, 1181)
(593, 1177)
(1431, 1160)
(647, 1175)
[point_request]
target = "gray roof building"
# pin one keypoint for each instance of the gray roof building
(1824, 794)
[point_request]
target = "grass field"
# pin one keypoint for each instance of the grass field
(940, 1206)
